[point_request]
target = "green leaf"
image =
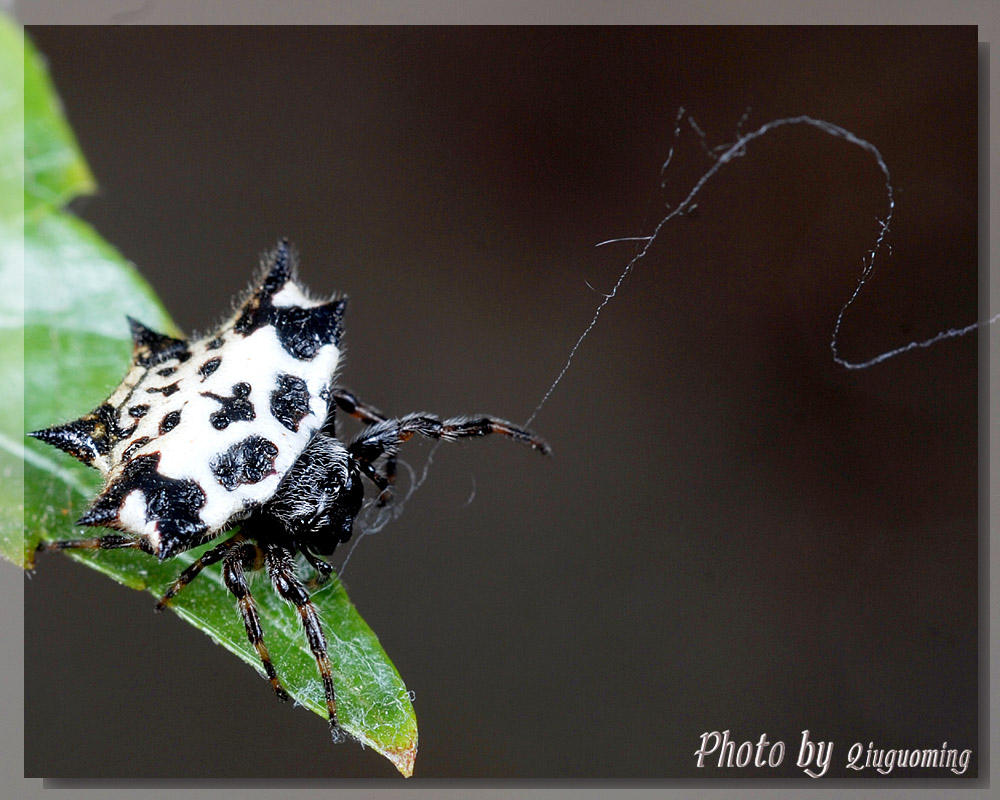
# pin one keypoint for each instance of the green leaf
(12, 55)
(64, 343)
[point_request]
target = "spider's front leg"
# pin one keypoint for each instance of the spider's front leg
(212, 556)
(281, 568)
(243, 556)
(385, 436)
(349, 402)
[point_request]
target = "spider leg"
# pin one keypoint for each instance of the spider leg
(109, 541)
(323, 569)
(281, 568)
(237, 559)
(384, 438)
(212, 556)
(383, 482)
(348, 401)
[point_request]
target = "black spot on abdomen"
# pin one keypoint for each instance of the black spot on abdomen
(248, 461)
(234, 409)
(209, 367)
(170, 421)
(290, 401)
(166, 391)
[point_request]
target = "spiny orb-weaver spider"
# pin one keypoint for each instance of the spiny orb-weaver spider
(237, 428)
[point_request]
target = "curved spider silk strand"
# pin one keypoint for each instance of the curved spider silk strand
(735, 150)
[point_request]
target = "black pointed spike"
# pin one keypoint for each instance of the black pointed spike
(256, 311)
(151, 348)
(75, 438)
(279, 269)
(171, 546)
(334, 310)
(99, 514)
(141, 335)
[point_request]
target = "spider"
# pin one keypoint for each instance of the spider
(237, 428)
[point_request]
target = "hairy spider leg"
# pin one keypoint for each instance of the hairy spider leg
(323, 568)
(236, 553)
(281, 568)
(384, 438)
(248, 556)
(209, 557)
(348, 401)
(109, 541)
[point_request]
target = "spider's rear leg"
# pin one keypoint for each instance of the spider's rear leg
(109, 541)
(281, 568)
(243, 556)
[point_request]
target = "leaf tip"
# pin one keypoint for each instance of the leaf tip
(403, 758)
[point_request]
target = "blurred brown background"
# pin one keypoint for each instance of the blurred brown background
(734, 532)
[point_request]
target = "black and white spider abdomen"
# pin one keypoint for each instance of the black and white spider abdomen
(200, 433)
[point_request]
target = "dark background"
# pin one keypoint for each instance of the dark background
(734, 533)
